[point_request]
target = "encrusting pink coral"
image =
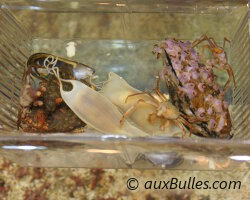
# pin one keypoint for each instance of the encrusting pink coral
(192, 88)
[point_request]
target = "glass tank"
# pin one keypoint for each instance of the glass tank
(117, 37)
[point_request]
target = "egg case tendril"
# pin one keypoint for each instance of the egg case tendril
(41, 107)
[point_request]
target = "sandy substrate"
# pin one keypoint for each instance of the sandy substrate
(26, 183)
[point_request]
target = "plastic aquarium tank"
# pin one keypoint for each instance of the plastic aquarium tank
(118, 36)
